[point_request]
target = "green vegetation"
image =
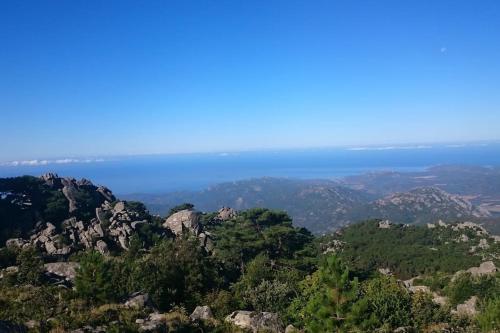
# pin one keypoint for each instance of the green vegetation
(258, 261)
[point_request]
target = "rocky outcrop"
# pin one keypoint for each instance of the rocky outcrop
(111, 228)
(153, 323)
(64, 270)
(386, 224)
(202, 313)
(486, 268)
(187, 222)
(425, 204)
(468, 308)
(226, 213)
(256, 321)
(184, 221)
(73, 189)
(138, 301)
(8, 271)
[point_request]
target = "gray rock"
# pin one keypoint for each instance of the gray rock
(137, 301)
(98, 230)
(102, 247)
(153, 323)
(291, 329)
(226, 213)
(119, 207)
(9, 270)
(183, 221)
(468, 308)
(66, 270)
(123, 242)
(256, 321)
(50, 247)
(202, 313)
(386, 224)
(486, 268)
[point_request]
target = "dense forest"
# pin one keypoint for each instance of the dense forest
(250, 270)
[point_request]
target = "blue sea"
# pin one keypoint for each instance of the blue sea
(166, 173)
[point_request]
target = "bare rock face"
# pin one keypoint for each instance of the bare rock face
(183, 221)
(66, 270)
(226, 213)
(385, 224)
(201, 313)
(154, 323)
(137, 301)
(292, 329)
(102, 247)
(468, 308)
(71, 188)
(256, 321)
(486, 268)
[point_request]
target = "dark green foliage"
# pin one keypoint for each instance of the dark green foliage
(489, 319)
(464, 286)
(26, 200)
(30, 266)
(388, 301)
(261, 262)
(180, 207)
(93, 280)
(266, 287)
(7, 257)
(407, 250)
(257, 231)
(175, 272)
(425, 312)
(332, 299)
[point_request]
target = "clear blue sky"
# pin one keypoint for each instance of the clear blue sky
(109, 77)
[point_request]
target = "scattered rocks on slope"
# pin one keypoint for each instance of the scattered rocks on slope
(256, 321)
(111, 228)
(154, 323)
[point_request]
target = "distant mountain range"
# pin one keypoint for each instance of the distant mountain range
(448, 193)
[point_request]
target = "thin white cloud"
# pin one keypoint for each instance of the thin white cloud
(390, 147)
(47, 162)
(443, 49)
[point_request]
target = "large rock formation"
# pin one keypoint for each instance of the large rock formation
(184, 221)
(112, 227)
(74, 189)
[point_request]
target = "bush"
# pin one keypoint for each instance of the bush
(94, 280)
(489, 319)
(30, 266)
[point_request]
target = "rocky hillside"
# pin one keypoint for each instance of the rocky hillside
(316, 205)
(423, 205)
(107, 265)
(322, 206)
(26, 201)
